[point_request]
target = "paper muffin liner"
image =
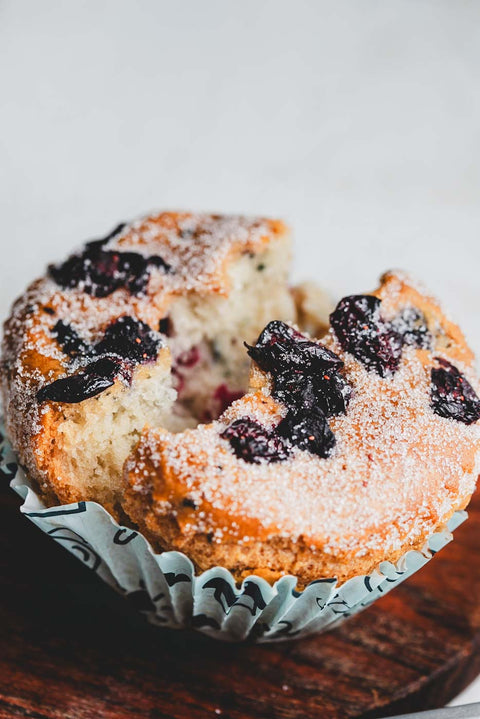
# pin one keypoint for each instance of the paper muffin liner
(166, 589)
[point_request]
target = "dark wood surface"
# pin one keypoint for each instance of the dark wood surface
(71, 649)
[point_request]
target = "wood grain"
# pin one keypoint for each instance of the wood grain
(72, 649)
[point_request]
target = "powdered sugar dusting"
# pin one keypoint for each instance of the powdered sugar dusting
(397, 469)
(194, 245)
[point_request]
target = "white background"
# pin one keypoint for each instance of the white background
(357, 121)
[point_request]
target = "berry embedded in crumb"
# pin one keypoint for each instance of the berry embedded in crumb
(412, 326)
(95, 378)
(189, 358)
(254, 443)
(100, 272)
(309, 430)
(130, 339)
(361, 330)
(126, 343)
(221, 399)
(165, 326)
(452, 396)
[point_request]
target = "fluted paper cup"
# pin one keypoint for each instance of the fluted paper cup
(167, 590)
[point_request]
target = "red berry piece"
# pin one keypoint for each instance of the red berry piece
(224, 397)
(412, 327)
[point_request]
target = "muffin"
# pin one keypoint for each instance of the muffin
(169, 373)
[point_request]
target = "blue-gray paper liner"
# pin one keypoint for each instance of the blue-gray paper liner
(171, 594)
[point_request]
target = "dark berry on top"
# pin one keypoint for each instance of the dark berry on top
(309, 430)
(452, 396)
(412, 327)
(99, 272)
(70, 341)
(130, 339)
(95, 378)
(103, 240)
(307, 379)
(328, 390)
(254, 443)
(280, 347)
(126, 343)
(304, 373)
(363, 332)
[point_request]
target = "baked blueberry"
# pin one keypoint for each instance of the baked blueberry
(95, 378)
(280, 347)
(99, 272)
(130, 339)
(126, 343)
(361, 331)
(70, 341)
(309, 430)
(452, 396)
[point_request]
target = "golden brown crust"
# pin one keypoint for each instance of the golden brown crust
(270, 558)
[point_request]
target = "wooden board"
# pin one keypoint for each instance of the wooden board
(72, 649)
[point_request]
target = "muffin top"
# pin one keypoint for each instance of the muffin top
(364, 441)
